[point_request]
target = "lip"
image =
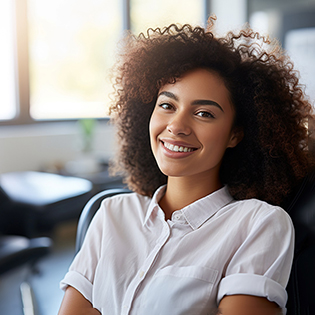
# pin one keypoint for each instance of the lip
(176, 155)
(179, 143)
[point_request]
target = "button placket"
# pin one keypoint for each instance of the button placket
(134, 285)
(141, 274)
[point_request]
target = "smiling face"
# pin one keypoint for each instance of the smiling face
(192, 126)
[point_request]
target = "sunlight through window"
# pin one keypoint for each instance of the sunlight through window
(7, 57)
(71, 47)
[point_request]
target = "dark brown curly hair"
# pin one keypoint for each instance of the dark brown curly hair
(270, 107)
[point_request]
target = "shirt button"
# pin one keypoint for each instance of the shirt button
(141, 274)
(177, 216)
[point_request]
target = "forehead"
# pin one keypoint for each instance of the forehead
(200, 84)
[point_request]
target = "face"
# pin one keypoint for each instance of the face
(192, 125)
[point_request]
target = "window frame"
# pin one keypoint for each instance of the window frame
(20, 20)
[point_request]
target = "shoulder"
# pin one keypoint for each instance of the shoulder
(257, 212)
(125, 205)
(130, 198)
(258, 207)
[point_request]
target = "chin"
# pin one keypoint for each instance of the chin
(172, 173)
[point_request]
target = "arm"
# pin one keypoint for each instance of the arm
(261, 265)
(247, 305)
(74, 303)
(81, 273)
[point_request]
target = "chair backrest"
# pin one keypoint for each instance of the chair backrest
(301, 286)
(89, 211)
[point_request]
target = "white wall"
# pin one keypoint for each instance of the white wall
(44, 146)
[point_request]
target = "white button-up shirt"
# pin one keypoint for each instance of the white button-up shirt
(133, 261)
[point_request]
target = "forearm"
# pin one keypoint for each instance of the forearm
(74, 303)
(247, 305)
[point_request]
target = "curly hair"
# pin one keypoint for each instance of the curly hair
(264, 88)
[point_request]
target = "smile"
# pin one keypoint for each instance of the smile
(176, 148)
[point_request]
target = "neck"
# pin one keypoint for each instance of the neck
(182, 191)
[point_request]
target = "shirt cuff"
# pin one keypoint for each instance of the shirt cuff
(79, 282)
(251, 284)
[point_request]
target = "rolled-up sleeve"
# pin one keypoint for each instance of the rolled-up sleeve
(82, 270)
(261, 265)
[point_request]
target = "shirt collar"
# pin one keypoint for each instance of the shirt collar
(199, 211)
(154, 206)
(203, 209)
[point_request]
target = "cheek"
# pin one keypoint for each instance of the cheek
(217, 140)
(155, 126)
(153, 131)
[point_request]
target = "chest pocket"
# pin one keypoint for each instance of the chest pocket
(180, 290)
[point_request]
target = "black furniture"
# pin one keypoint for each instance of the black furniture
(33, 203)
(16, 251)
(19, 250)
(301, 286)
(89, 211)
(301, 207)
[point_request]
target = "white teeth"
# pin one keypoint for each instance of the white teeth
(176, 148)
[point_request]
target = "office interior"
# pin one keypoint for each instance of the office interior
(55, 82)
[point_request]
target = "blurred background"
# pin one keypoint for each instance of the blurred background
(55, 61)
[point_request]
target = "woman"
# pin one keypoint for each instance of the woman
(213, 137)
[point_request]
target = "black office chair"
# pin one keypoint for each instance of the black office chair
(301, 286)
(16, 251)
(19, 250)
(89, 211)
(31, 204)
(300, 206)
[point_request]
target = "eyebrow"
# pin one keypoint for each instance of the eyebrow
(195, 102)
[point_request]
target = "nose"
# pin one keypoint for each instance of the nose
(179, 125)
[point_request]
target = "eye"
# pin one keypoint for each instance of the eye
(166, 106)
(205, 114)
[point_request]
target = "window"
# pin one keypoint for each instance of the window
(7, 63)
(71, 46)
(65, 50)
(300, 44)
(294, 25)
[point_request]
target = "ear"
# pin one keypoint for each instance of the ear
(236, 137)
